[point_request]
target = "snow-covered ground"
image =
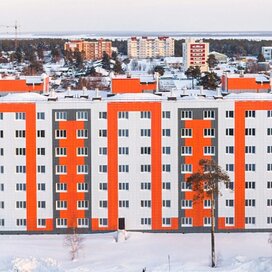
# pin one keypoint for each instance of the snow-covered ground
(240, 252)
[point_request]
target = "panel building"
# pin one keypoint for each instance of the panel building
(195, 53)
(93, 50)
(101, 162)
(144, 47)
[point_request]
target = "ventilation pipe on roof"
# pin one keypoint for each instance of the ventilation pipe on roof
(201, 91)
(172, 97)
(184, 92)
(84, 93)
(68, 94)
(157, 76)
(52, 95)
(96, 97)
(218, 94)
(242, 73)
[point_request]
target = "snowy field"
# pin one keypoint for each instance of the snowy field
(188, 252)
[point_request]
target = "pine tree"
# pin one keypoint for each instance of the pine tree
(212, 61)
(210, 81)
(260, 58)
(205, 184)
(106, 61)
(159, 69)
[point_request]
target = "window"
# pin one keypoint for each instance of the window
(229, 202)
(61, 205)
(102, 150)
(20, 151)
(20, 168)
(209, 150)
(186, 204)
(250, 184)
(146, 221)
(18, 133)
(250, 149)
(103, 222)
(186, 168)
(60, 151)
(229, 149)
(123, 168)
(41, 204)
(186, 186)
(269, 113)
(61, 223)
(83, 222)
(229, 131)
(41, 186)
(82, 169)
(250, 131)
(20, 204)
(269, 202)
(102, 133)
(145, 114)
(1, 169)
(123, 133)
(41, 222)
(2, 204)
(82, 204)
(41, 151)
(123, 151)
(166, 150)
(186, 150)
(82, 151)
(2, 187)
(230, 114)
(103, 204)
(145, 185)
(82, 115)
(230, 167)
(61, 116)
(166, 168)
(208, 114)
(269, 220)
(269, 149)
(145, 132)
(269, 131)
(123, 204)
(269, 185)
(166, 203)
(146, 150)
(186, 133)
(103, 168)
(207, 221)
(166, 132)
(1, 116)
(251, 167)
(186, 114)
(250, 202)
(166, 186)
(123, 186)
(102, 115)
(123, 115)
(60, 134)
(20, 222)
(166, 114)
(145, 168)
(41, 168)
(229, 221)
(186, 221)
(40, 115)
(82, 133)
(20, 116)
(2, 134)
(61, 187)
(61, 169)
(41, 133)
(207, 203)
(166, 221)
(250, 114)
(82, 187)
(250, 220)
(146, 203)
(209, 132)
(1, 151)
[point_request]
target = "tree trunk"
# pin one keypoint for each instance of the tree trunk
(212, 232)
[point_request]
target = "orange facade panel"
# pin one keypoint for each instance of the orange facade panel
(19, 85)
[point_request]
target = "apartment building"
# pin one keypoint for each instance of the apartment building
(99, 162)
(145, 47)
(93, 50)
(195, 53)
(267, 52)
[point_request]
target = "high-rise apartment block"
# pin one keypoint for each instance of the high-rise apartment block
(105, 162)
(145, 47)
(267, 52)
(93, 50)
(195, 54)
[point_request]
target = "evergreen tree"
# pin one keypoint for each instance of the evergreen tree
(260, 58)
(206, 185)
(106, 61)
(159, 69)
(79, 56)
(117, 68)
(212, 61)
(193, 73)
(210, 81)
(18, 55)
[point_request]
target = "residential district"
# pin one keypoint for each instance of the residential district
(99, 140)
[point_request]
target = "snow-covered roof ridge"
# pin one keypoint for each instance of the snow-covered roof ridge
(22, 97)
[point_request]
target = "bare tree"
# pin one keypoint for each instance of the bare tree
(74, 241)
(205, 183)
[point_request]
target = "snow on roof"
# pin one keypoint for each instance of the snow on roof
(136, 97)
(23, 97)
(249, 96)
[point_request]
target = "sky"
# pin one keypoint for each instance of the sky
(137, 15)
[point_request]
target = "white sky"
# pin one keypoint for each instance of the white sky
(142, 15)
